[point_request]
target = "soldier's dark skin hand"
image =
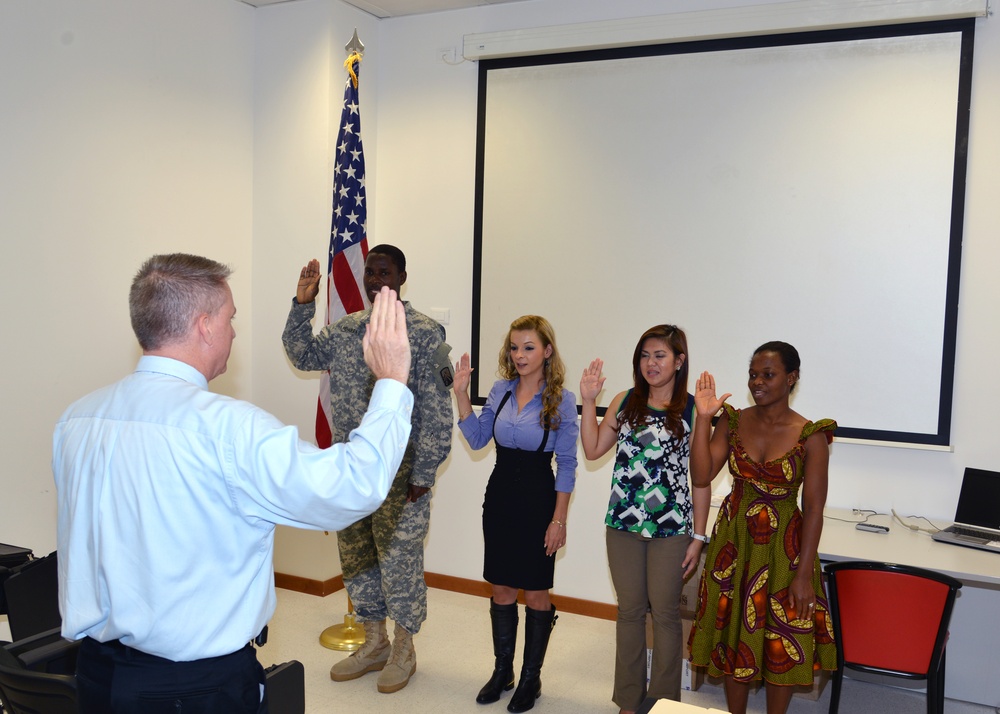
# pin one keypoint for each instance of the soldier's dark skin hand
(308, 285)
(415, 492)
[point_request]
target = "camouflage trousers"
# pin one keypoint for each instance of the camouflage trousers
(382, 557)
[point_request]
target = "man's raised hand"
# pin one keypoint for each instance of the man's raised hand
(386, 345)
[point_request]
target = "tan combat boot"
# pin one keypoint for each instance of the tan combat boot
(370, 657)
(401, 665)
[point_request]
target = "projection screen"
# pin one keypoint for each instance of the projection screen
(806, 188)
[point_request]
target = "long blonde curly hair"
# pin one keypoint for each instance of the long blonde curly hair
(554, 371)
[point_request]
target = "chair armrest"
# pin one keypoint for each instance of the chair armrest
(30, 643)
(46, 652)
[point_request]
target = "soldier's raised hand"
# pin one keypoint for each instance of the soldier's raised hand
(308, 286)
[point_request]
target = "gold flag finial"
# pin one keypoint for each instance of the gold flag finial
(355, 51)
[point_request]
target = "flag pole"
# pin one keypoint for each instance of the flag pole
(347, 636)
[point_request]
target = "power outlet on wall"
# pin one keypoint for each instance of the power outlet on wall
(441, 314)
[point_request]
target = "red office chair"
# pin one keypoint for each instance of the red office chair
(891, 619)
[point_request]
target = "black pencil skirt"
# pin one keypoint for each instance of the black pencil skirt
(520, 500)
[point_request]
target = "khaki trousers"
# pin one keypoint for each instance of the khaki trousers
(647, 574)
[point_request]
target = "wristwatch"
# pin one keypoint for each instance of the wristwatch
(703, 538)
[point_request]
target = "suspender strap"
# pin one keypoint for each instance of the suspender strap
(503, 402)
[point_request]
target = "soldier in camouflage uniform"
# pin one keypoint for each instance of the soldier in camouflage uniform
(382, 556)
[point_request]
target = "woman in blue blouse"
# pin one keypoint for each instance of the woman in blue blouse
(531, 417)
(655, 523)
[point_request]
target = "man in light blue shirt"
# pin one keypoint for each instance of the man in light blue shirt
(168, 496)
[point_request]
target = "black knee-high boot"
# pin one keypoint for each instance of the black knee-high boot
(504, 620)
(538, 626)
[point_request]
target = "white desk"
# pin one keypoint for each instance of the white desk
(975, 623)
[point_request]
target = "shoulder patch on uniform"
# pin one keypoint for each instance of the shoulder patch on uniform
(442, 367)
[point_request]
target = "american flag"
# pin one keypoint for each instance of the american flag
(348, 233)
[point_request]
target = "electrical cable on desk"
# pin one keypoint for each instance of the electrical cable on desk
(867, 513)
(911, 526)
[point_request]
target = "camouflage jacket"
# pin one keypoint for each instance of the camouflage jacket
(337, 347)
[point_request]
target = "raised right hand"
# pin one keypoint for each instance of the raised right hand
(463, 374)
(704, 397)
(308, 286)
(591, 383)
(386, 345)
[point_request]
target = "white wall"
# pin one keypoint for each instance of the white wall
(424, 129)
(426, 137)
(298, 99)
(128, 128)
(125, 130)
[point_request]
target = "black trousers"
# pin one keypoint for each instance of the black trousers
(115, 679)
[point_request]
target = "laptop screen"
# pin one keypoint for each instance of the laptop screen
(979, 501)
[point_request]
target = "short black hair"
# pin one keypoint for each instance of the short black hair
(394, 253)
(788, 354)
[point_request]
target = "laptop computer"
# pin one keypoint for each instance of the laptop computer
(977, 517)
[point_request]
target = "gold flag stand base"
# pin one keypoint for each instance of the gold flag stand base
(347, 637)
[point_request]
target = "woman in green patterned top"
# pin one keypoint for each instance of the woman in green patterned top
(655, 523)
(762, 612)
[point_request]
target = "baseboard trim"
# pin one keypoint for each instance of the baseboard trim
(322, 588)
(480, 588)
(466, 586)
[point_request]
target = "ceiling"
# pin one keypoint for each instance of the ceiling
(396, 8)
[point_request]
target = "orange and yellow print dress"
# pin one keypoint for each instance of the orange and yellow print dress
(744, 626)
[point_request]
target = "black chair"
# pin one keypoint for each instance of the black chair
(893, 620)
(11, 556)
(32, 597)
(36, 675)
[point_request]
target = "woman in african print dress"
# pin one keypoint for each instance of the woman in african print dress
(762, 612)
(655, 523)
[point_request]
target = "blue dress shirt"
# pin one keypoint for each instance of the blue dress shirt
(168, 496)
(524, 431)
